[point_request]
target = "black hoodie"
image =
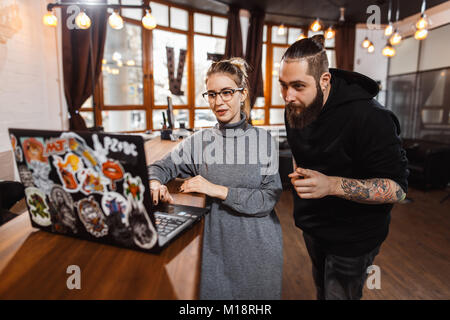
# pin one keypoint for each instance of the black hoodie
(353, 137)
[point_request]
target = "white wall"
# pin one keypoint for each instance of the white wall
(31, 82)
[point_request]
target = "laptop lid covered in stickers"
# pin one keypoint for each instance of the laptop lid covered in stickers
(92, 186)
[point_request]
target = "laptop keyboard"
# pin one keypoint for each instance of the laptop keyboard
(166, 225)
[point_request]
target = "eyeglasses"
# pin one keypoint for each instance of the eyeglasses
(225, 94)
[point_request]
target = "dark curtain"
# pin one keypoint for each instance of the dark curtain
(233, 46)
(77, 60)
(345, 46)
(253, 55)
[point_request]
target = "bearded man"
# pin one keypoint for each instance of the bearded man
(349, 166)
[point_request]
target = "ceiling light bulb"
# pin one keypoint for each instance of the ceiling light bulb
(116, 56)
(422, 23)
(148, 21)
(50, 20)
(281, 30)
(388, 30)
(330, 33)
(115, 21)
(395, 39)
(315, 26)
(421, 34)
(371, 48)
(83, 21)
(366, 43)
(388, 51)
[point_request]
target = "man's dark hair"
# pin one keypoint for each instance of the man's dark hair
(313, 51)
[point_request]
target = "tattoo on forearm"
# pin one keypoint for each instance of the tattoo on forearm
(372, 190)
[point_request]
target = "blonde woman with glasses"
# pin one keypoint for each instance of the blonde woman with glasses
(236, 167)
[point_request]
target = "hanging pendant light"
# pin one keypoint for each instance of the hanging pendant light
(115, 21)
(388, 51)
(330, 33)
(396, 38)
(281, 30)
(315, 26)
(83, 21)
(148, 21)
(49, 19)
(422, 25)
(371, 48)
(366, 43)
(390, 28)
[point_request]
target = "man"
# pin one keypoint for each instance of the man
(349, 166)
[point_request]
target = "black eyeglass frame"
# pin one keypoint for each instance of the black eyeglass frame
(205, 95)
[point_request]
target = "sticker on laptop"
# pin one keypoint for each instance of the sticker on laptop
(16, 149)
(116, 209)
(79, 147)
(64, 216)
(39, 209)
(92, 182)
(33, 149)
(67, 169)
(144, 233)
(92, 217)
(26, 176)
(113, 171)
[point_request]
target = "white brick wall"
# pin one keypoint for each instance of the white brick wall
(31, 82)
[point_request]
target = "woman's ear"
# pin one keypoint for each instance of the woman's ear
(244, 95)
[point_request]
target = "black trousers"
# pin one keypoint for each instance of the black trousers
(337, 277)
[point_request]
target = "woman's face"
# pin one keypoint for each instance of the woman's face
(225, 111)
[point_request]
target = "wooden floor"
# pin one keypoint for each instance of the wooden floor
(414, 260)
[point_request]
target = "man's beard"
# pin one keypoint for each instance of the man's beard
(300, 116)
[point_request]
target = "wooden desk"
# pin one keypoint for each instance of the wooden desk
(33, 263)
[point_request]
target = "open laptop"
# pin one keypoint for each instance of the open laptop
(94, 186)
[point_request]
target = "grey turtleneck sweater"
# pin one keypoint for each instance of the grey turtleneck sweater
(242, 255)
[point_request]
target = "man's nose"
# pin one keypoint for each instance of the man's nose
(289, 95)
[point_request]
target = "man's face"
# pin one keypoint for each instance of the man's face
(301, 93)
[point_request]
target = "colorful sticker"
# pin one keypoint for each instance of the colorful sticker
(16, 148)
(92, 217)
(39, 208)
(64, 215)
(33, 148)
(144, 233)
(26, 176)
(113, 171)
(92, 182)
(116, 209)
(40, 175)
(55, 146)
(79, 147)
(67, 170)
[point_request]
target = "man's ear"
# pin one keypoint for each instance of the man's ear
(325, 79)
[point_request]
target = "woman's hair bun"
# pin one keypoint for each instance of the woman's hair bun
(319, 39)
(241, 64)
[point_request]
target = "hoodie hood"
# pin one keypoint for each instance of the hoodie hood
(347, 86)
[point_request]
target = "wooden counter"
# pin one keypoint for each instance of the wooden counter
(33, 263)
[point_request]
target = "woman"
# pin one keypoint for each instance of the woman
(242, 255)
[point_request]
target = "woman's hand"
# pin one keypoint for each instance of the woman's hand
(201, 185)
(159, 191)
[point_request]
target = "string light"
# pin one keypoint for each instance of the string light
(83, 21)
(330, 33)
(315, 26)
(148, 21)
(422, 25)
(389, 29)
(396, 38)
(388, 51)
(366, 43)
(115, 21)
(371, 48)
(421, 34)
(50, 19)
(281, 30)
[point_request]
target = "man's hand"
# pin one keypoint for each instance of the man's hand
(159, 191)
(201, 185)
(310, 184)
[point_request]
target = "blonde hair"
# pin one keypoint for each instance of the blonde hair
(237, 69)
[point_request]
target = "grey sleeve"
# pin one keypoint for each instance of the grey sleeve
(259, 201)
(256, 202)
(177, 164)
